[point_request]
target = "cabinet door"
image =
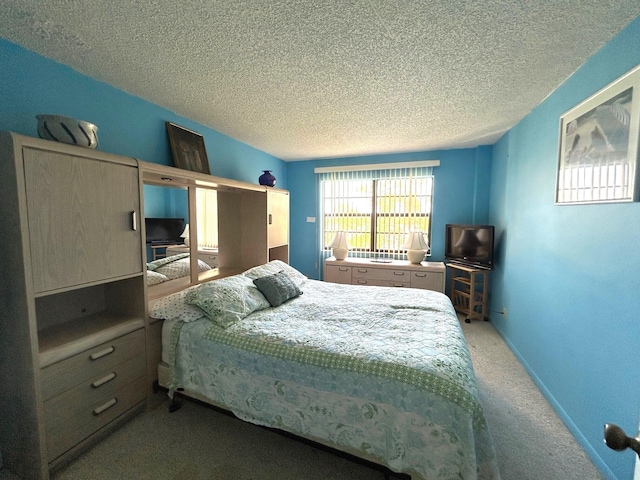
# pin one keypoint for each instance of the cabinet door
(278, 218)
(81, 219)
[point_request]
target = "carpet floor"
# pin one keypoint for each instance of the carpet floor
(198, 442)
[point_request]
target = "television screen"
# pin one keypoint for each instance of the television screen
(470, 245)
(164, 230)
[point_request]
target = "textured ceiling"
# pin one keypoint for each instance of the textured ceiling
(307, 79)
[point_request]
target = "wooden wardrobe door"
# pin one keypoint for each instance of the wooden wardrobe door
(81, 219)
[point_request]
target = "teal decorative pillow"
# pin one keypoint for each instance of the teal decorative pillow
(227, 300)
(277, 288)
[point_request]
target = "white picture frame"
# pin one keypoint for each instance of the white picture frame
(598, 147)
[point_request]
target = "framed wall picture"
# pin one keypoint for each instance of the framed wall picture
(187, 147)
(598, 154)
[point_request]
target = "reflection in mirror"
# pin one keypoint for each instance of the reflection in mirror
(207, 231)
(166, 211)
(167, 230)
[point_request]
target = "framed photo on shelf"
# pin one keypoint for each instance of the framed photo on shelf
(598, 154)
(188, 149)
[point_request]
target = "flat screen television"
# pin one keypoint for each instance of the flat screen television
(164, 230)
(470, 245)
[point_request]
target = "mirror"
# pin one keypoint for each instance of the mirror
(166, 211)
(168, 233)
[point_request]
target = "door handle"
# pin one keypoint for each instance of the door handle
(617, 439)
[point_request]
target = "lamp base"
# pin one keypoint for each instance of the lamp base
(340, 253)
(415, 256)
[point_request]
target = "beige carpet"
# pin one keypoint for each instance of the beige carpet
(197, 442)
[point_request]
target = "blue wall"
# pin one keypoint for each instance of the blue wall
(461, 195)
(31, 84)
(569, 276)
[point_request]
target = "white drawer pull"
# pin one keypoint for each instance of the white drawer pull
(103, 380)
(362, 270)
(102, 353)
(398, 285)
(362, 282)
(398, 273)
(105, 406)
(343, 269)
(418, 274)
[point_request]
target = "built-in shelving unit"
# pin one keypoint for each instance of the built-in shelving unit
(253, 223)
(72, 349)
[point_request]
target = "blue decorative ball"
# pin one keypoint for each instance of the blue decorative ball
(267, 179)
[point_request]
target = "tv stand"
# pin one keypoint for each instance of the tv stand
(469, 289)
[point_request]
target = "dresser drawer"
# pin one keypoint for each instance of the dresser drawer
(380, 283)
(64, 435)
(428, 281)
(337, 274)
(384, 274)
(95, 390)
(62, 376)
(210, 259)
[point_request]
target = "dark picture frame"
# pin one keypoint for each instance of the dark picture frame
(599, 146)
(188, 149)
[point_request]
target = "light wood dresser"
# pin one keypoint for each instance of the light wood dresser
(398, 273)
(72, 350)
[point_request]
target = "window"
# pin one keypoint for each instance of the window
(377, 208)
(207, 210)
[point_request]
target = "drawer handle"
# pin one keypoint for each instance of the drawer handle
(362, 270)
(103, 380)
(398, 273)
(102, 353)
(398, 285)
(362, 282)
(343, 269)
(105, 406)
(418, 274)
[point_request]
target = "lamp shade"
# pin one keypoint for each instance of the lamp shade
(185, 234)
(340, 241)
(416, 241)
(340, 246)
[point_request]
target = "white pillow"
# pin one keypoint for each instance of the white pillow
(228, 300)
(154, 278)
(174, 307)
(274, 267)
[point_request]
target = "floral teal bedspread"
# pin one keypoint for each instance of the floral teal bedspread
(383, 373)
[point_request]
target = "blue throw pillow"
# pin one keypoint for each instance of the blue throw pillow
(277, 288)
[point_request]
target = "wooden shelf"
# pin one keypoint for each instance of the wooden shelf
(469, 292)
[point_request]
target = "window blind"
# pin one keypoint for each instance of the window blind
(377, 206)
(207, 211)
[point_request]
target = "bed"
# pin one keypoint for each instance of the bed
(378, 372)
